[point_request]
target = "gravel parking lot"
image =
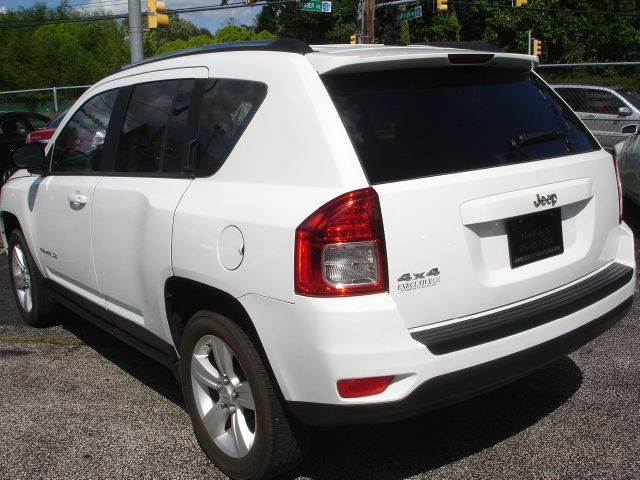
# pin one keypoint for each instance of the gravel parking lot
(76, 403)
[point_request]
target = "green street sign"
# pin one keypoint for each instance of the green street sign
(323, 6)
(409, 14)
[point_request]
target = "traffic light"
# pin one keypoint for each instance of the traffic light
(521, 3)
(441, 5)
(155, 19)
(352, 39)
(249, 2)
(537, 47)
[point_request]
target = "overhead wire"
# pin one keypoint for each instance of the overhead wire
(93, 18)
(242, 4)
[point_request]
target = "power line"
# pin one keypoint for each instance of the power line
(96, 4)
(94, 18)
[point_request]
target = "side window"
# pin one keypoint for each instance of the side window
(145, 125)
(603, 102)
(227, 108)
(575, 97)
(13, 127)
(78, 148)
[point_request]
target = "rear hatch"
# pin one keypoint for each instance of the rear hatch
(492, 191)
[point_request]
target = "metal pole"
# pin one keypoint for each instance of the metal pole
(360, 21)
(529, 44)
(135, 30)
(55, 99)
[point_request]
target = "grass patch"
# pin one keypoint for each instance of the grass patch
(43, 340)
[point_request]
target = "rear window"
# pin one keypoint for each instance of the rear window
(416, 123)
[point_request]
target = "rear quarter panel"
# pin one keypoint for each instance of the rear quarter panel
(293, 157)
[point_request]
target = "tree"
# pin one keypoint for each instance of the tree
(58, 54)
(179, 29)
(286, 20)
(229, 33)
(233, 33)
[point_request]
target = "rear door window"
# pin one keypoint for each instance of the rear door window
(143, 132)
(416, 123)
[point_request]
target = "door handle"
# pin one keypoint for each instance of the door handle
(77, 200)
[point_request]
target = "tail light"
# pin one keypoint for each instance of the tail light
(340, 248)
(619, 183)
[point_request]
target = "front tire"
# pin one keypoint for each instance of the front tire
(27, 284)
(236, 414)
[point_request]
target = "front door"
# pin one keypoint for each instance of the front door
(63, 200)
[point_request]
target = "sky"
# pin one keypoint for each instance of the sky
(212, 20)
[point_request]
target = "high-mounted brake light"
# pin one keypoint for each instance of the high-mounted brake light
(339, 249)
(470, 58)
(619, 183)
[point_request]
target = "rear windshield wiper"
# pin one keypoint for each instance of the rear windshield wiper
(525, 139)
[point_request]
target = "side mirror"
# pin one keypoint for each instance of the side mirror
(624, 111)
(29, 156)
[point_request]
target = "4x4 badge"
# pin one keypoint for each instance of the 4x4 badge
(415, 281)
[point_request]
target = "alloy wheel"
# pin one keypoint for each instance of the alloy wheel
(21, 278)
(223, 396)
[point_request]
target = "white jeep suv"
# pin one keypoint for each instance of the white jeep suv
(321, 236)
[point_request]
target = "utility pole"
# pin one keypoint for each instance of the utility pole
(366, 20)
(135, 30)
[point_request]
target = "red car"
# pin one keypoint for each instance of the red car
(43, 134)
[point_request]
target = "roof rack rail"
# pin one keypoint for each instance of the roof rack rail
(289, 45)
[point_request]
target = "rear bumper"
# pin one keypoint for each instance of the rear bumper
(461, 384)
(450, 337)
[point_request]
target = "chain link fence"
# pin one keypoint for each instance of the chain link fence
(603, 95)
(606, 98)
(48, 101)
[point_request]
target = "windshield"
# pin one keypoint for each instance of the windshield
(415, 123)
(56, 120)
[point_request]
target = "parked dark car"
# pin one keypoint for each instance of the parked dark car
(14, 127)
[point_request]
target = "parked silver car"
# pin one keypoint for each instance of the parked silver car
(628, 155)
(611, 113)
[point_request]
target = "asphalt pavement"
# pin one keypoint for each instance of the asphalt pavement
(76, 403)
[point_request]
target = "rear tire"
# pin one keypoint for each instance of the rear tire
(27, 284)
(237, 416)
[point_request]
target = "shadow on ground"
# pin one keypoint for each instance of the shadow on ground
(146, 370)
(430, 441)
